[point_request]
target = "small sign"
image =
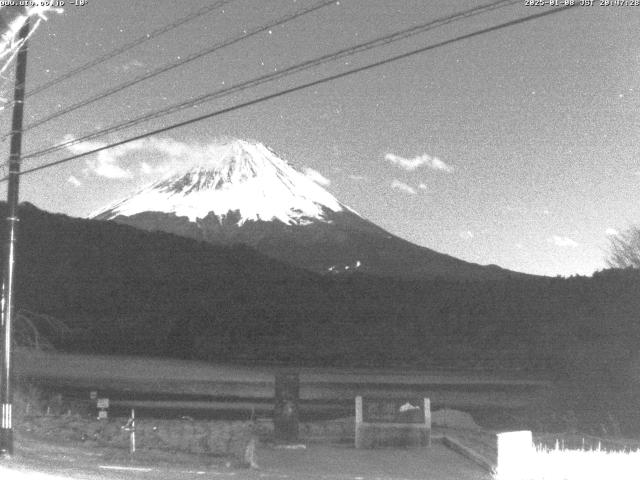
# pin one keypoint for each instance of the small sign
(102, 415)
(93, 395)
(103, 403)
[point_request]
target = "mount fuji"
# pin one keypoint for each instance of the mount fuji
(249, 195)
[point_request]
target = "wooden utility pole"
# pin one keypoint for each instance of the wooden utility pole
(6, 392)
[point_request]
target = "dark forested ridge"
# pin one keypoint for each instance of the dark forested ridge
(341, 243)
(127, 291)
(123, 290)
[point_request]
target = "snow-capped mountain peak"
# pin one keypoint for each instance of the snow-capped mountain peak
(244, 177)
(243, 193)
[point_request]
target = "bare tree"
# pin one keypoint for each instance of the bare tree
(624, 250)
(37, 330)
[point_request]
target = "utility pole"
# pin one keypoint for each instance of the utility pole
(6, 392)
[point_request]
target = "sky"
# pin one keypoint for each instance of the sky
(520, 147)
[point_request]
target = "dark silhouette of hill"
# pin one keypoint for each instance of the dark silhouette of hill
(124, 290)
(344, 242)
(127, 290)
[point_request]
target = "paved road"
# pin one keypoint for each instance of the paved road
(347, 463)
(316, 462)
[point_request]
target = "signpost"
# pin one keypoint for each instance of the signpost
(131, 428)
(392, 422)
(103, 405)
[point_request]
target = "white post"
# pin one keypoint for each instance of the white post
(133, 431)
(358, 409)
(359, 427)
(427, 419)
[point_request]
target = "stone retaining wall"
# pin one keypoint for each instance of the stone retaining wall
(205, 437)
(216, 438)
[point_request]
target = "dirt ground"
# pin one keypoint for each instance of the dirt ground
(49, 459)
(339, 462)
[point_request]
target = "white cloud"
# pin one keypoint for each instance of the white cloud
(438, 164)
(74, 181)
(148, 169)
(155, 157)
(422, 186)
(105, 164)
(424, 160)
(317, 177)
(357, 178)
(403, 187)
(125, 67)
(612, 232)
(82, 147)
(562, 241)
(466, 235)
(163, 156)
(108, 168)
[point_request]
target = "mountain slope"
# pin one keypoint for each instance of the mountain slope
(251, 196)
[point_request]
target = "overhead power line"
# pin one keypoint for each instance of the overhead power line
(128, 46)
(375, 43)
(302, 87)
(174, 65)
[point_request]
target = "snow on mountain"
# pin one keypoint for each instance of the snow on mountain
(246, 178)
(245, 194)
